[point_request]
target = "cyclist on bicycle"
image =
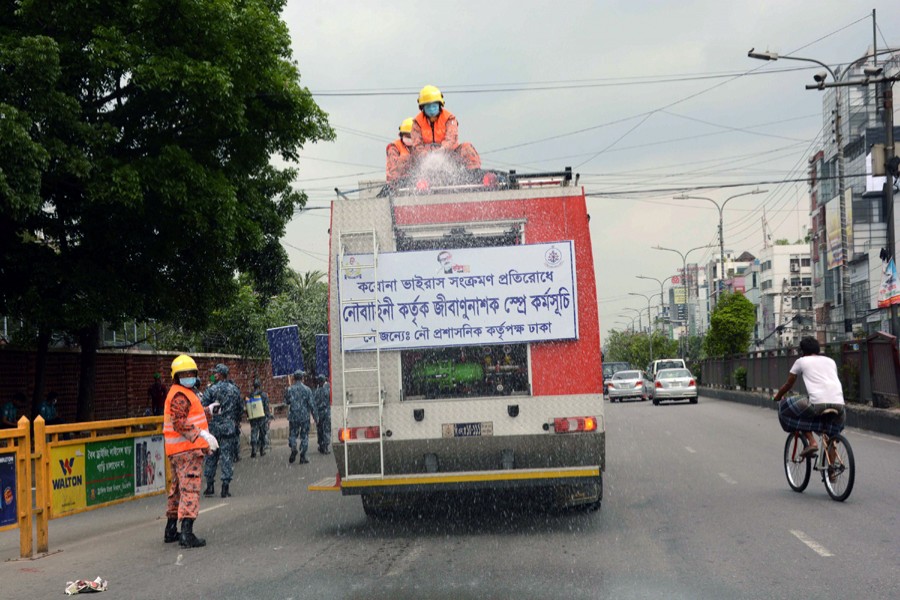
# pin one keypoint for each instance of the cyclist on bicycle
(820, 376)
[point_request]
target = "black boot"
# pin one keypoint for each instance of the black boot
(210, 489)
(171, 531)
(293, 455)
(188, 539)
(303, 459)
(225, 492)
(262, 449)
(252, 451)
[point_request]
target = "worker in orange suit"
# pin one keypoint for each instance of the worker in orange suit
(187, 440)
(398, 155)
(435, 128)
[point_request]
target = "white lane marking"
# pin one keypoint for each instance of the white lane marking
(877, 437)
(727, 478)
(213, 507)
(405, 562)
(815, 546)
(691, 450)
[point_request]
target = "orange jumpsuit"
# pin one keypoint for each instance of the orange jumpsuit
(398, 160)
(443, 130)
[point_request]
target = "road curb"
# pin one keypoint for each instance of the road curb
(878, 420)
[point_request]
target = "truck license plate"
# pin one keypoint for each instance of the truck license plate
(468, 429)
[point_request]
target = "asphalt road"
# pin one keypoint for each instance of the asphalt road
(696, 505)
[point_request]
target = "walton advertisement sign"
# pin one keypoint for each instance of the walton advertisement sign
(8, 513)
(87, 475)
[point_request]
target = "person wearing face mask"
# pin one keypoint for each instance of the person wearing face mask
(187, 440)
(435, 128)
(398, 156)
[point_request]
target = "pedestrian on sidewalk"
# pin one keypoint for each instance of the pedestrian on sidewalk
(258, 412)
(157, 393)
(322, 399)
(222, 425)
(187, 440)
(299, 399)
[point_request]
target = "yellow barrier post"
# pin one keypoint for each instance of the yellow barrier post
(23, 476)
(42, 485)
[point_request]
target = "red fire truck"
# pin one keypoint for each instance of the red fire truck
(464, 340)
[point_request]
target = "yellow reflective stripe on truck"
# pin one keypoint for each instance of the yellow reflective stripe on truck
(425, 479)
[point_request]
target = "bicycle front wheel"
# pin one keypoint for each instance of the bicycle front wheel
(796, 468)
(840, 471)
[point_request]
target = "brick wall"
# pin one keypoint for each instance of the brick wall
(122, 379)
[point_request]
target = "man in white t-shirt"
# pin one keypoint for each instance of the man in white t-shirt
(820, 375)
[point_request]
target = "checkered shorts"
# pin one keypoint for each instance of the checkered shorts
(795, 413)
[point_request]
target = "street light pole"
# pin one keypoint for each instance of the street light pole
(649, 325)
(842, 202)
(684, 256)
(721, 208)
(660, 282)
(640, 327)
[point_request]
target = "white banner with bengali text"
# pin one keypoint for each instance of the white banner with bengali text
(459, 297)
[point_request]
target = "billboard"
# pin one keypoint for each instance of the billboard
(833, 256)
(459, 297)
(8, 513)
(95, 473)
(284, 349)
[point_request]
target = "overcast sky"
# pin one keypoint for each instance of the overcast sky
(641, 97)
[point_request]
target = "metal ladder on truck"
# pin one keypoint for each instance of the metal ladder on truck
(365, 393)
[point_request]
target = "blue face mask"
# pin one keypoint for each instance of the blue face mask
(188, 382)
(431, 109)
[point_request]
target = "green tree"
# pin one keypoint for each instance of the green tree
(634, 348)
(135, 140)
(731, 325)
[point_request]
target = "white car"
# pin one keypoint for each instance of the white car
(628, 385)
(674, 384)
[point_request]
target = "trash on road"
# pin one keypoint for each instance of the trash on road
(85, 586)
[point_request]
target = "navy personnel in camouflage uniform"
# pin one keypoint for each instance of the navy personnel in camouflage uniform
(222, 426)
(322, 400)
(299, 400)
(258, 426)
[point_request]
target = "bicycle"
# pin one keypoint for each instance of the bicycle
(834, 460)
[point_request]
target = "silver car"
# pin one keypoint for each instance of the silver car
(674, 384)
(628, 385)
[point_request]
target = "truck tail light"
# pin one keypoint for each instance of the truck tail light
(574, 424)
(358, 433)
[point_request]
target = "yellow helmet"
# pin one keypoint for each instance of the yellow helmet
(182, 363)
(406, 125)
(430, 94)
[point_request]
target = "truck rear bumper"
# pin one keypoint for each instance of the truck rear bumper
(472, 480)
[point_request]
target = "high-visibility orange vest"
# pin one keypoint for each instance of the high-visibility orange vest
(398, 143)
(175, 442)
(434, 133)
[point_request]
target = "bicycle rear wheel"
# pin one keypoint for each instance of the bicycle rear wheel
(796, 469)
(840, 472)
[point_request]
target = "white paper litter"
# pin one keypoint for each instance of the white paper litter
(85, 586)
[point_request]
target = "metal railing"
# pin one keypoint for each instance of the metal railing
(869, 369)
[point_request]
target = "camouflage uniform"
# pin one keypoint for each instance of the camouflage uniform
(299, 399)
(322, 398)
(258, 426)
(184, 493)
(222, 426)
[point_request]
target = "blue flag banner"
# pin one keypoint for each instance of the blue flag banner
(284, 349)
(323, 366)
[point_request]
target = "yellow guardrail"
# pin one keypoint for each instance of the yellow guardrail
(15, 483)
(90, 465)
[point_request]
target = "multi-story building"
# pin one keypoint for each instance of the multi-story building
(861, 127)
(785, 300)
